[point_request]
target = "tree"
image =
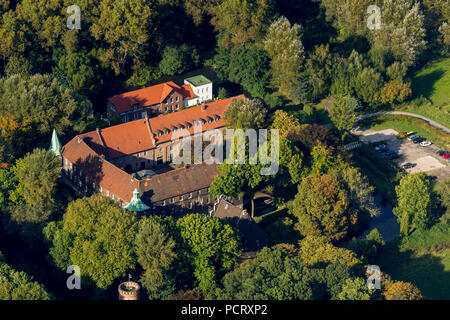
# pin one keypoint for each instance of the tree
(198, 8)
(275, 274)
(414, 203)
(402, 34)
(324, 161)
(155, 253)
(367, 84)
(79, 72)
(242, 21)
(394, 91)
(210, 246)
(342, 114)
(16, 138)
(96, 235)
(177, 60)
(284, 122)
(348, 16)
(125, 28)
(37, 174)
(17, 285)
(360, 190)
(300, 93)
(8, 183)
(355, 289)
(245, 113)
(286, 52)
(249, 67)
(400, 290)
(322, 208)
(443, 191)
(396, 71)
(317, 249)
(222, 93)
(235, 180)
(42, 100)
(18, 65)
(319, 67)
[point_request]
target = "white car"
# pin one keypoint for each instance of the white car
(425, 143)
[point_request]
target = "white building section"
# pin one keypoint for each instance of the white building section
(202, 88)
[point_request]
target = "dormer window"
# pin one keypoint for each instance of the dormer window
(160, 133)
(216, 118)
(209, 119)
(188, 125)
(166, 131)
(202, 121)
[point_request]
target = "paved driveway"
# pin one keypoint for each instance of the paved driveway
(425, 159)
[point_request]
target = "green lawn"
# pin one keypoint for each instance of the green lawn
(406, 124)
(423, 259)
(433, 83)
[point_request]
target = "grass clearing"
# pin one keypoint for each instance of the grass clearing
(433, 83)
(423, 259)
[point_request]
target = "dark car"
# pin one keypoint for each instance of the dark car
(418, 140)
(408, 165)
(393, 156)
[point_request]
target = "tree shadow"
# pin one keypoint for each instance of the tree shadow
(426, 271)
(424, 84)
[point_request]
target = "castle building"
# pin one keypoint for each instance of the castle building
(107, 161)
(160, 98)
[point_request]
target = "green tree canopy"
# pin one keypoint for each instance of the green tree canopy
(37, 174)
(42, 100)
(285, 49)
(17, 285)
(322, 208)
(245, 113)
(342, 114)
(96, 235)
(155, 250)
(210, 246)
(414, 203)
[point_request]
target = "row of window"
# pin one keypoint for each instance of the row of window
(181, 198)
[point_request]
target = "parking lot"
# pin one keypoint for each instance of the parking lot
(425, 159)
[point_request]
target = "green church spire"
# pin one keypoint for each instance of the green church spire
(136, 203)
(55, 145)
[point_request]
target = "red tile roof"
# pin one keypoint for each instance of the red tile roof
(132, 137)
(149, 95)
(98, 170)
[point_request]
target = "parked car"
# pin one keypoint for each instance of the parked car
(445, 155)
(381, 148)
(425, 143)
(408, 165)
(418, 139)
(410, 133)
(393, 156)
(412, 137)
